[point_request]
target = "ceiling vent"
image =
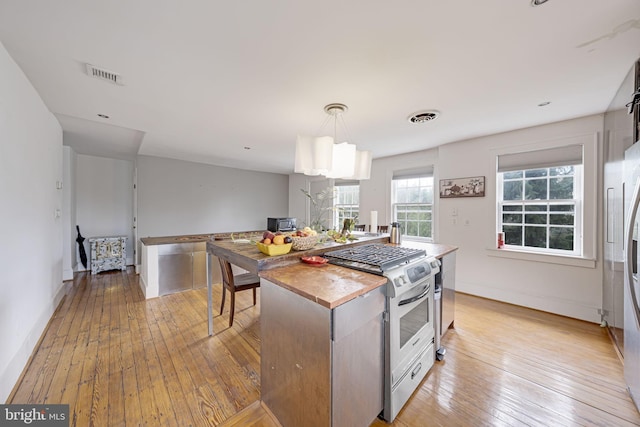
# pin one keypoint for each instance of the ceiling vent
(106, 75)
(424, 116)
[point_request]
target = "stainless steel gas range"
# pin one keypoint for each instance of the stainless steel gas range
(409, 314)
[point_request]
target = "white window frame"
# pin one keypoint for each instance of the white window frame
(341, 208)
(577, 202)
(589, 140)
(395, 204)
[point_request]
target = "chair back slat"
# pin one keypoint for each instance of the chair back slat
(227, 272)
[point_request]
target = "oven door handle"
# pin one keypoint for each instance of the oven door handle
(416, 298)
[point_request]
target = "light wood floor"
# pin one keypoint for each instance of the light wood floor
(119, 360)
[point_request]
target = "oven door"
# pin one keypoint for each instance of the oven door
(411, 327)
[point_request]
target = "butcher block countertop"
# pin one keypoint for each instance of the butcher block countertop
(249, 257)
(327, 284)
(194, 238)
(330, 285)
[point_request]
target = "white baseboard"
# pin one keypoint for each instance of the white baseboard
(143, 284)
(557, 305)
(22, 355)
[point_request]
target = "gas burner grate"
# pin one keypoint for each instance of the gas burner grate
(377, 255)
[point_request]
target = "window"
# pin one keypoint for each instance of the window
(347, 202)
(412, 194)
(540, 206)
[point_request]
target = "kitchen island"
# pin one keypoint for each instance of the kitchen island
(171, 264)
(322, 334)
(322, 351)
(247, 256)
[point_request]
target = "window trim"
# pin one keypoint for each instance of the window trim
(578, 178)
(337, 206)
(425, 172)
(589, 142)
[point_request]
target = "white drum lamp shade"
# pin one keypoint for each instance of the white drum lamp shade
(344, 157)
(314, 156)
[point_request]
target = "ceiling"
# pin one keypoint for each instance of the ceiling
(233, 83)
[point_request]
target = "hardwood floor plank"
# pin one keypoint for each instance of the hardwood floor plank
(170, 363)
(120, 360)
(115, 371)
(100, 399)
(142, 345)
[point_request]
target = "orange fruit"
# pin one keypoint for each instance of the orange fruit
(278, 240)
(266, 241)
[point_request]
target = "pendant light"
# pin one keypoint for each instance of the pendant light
(325, 156)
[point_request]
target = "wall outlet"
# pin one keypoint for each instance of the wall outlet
(467, 222)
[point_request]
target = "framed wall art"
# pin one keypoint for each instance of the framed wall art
(462, 187)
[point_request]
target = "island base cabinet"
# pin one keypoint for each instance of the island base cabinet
(321, 366)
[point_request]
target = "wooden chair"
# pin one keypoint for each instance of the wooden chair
(359, 227)
(383, 229)
(236, 283)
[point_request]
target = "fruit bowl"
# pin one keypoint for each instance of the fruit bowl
(272, 250)
(304, 243)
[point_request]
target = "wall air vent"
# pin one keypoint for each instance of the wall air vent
(424, 116)
(106, 75)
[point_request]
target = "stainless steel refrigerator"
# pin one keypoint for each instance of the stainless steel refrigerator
(631, 203)
(631, 193)
(620, 132)
(621, 291)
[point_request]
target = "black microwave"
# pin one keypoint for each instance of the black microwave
(281, 224)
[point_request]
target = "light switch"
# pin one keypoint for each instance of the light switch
(454, 212)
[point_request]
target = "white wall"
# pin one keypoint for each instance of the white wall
(31, 249)
(375, 193)
(68, 214)
(298, 205)
(104, 200)
(177, 197)
(571, 287)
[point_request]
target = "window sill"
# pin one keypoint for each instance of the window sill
(550, 259)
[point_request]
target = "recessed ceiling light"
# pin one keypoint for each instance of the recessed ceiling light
(424, 116)
(103, 116)
(538, 2)
(544, 104)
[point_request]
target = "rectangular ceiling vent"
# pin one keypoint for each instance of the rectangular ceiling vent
(106, 75)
